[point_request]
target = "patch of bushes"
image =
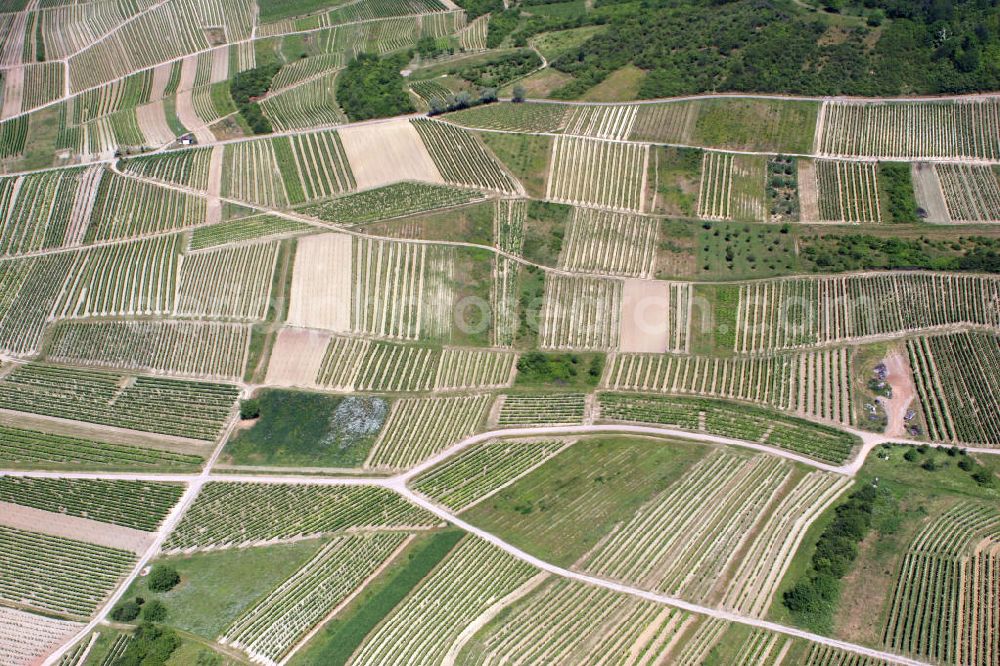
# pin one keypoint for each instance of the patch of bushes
(126, 611)
(154, 611)
(151, 645)
(373, 87)
(162, 578)
(812, 599)
(249, 409)
(501, 71)
(246, 87)
(897, 186)
(559, 369)
(501, 24)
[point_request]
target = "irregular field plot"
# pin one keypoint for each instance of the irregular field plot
(233, 514)
(137, 504)
(167, 406)
(56, 574)
(562, 509)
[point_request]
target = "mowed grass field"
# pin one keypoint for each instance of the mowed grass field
(560, 510)
(216, 587)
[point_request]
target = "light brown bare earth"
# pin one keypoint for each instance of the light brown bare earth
(645, 319)
(900, 378)
(808, 194)
(389, 152)
(296, 357)
(322, 279)
(927, 189)
(71, 527)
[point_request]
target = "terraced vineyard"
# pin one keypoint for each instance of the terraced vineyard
(272, 627)
(800, 312)
(29, 448)
(466, 584)
(952, 129)
(564, 621)
(210, 350)
(609, 243)
(955, 376)
(58, 575)
(598, 173)
(471, 477)
(147, 503)
(171, 407)
(946, 582)
(816, 383)
(443, 421)
(731, 420)
(524, 410)
(387, 368)
(235, 514)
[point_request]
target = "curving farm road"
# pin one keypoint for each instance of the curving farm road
(400, 484)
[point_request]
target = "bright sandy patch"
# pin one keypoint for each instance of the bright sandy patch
(190, 119)
(161, 77)
(384, 153)
(26, 639)
(70, 527)
(213, 213)
(808, 193)
(83, 206)
(927, 191)
(220, 65)
(152, 120)
(189, 70)
(645, 320)
(900, 378)
(321, 283)
(296, 357)
(13, 87)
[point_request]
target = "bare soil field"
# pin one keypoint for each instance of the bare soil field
(900, 378)
(153, 122)
(296, 357)
(808, 194)
(927, 189)
(321, 283)
(13, 86)
(389, 152)
(645, 320)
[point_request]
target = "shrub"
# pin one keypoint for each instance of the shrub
(966, 465)
(983, 478)
(249, 409)
(151, 644)
(246, 87)
(836, 549)
(154, 611)
(519, 93)
(910, 455)
(126, 611)
(163, 578)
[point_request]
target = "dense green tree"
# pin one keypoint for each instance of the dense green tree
(372, 87)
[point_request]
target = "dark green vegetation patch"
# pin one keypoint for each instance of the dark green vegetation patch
(341, 636)
(309, 429)
(563, 370)
(372, 87)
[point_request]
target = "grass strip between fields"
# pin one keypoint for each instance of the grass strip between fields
(342, 636)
